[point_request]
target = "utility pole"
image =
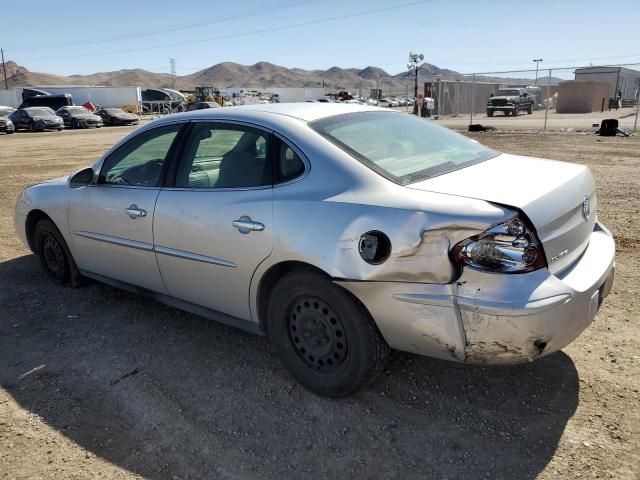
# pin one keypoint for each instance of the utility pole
(537, 60)
(172, 64)
(4, 70)
(414, 64)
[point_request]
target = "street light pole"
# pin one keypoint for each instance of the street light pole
(537, 60)
(414, 64)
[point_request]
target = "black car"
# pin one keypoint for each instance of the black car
(6, 125)
(79, 117)
(117, 116)
(36, 119)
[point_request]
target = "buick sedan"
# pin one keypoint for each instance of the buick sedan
(337, 231)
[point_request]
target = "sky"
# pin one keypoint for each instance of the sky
(80, 37)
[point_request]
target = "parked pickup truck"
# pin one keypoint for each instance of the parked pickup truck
(510, 101)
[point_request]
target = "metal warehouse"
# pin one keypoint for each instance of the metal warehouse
(620, 79)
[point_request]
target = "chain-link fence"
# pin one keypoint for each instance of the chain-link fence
(560, 99)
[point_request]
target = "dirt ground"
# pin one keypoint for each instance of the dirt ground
(99, 383)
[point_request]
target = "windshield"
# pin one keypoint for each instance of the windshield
(40, 112)
(401, 147)
(5, 112)
(508, 93)
(78, 110)
(113, 111)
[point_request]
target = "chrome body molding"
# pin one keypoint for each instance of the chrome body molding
(172, 252)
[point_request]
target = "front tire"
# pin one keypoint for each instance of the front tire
(489, 113)
(530, 109)
(324, 337)
(55, 257)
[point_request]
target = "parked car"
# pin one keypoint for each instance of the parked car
(53, 102)
(288, 220)
(388, 102)
(510, 101)
(79, 117)
(6, 125)
(116, 116)
(36, 119)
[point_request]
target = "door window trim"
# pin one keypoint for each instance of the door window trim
(227, 124)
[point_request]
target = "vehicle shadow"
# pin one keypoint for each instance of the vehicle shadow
(167, 394)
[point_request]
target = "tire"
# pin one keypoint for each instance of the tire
(489, 113)
(514, 112)
(32, 128)
(73, 124)
(324, 337)
(59, 129)
(55, 257)
(113, 122)
(530, 109)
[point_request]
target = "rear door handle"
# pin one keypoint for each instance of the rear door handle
(134, 212)
(245, 225)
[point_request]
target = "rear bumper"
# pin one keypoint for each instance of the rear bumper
(487, 318)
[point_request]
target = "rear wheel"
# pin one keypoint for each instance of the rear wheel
(324, 337)
(54, 254)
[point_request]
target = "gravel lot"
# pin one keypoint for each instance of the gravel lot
(99, 383)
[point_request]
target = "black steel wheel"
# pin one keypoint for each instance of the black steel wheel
(317, 334)
(323, 335)
(54, 254)
(54, 260)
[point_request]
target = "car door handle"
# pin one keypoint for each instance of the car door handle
(134, 212)
(246, 225)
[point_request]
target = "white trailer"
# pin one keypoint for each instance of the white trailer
(302, 94)
(11, 98)
(103, 96)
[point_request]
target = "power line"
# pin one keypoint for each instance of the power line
(243, 34)
(169, 28)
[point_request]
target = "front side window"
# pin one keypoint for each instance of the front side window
(140, 162)
(224, 156)
(403, 148)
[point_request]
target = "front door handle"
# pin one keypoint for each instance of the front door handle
(245, 225)
(134, 212)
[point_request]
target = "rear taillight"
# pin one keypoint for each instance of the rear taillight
(510, 247)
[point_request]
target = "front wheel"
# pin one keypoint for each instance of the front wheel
(324, 337)
(55, 257)
(530, 109)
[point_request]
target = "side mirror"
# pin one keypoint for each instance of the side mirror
(490, 95)
(82, 178)
(524, 95)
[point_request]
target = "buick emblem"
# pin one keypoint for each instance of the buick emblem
(586, 209)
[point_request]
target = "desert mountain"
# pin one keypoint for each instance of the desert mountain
(229, 74)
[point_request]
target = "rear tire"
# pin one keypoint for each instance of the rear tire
(324, 337)
(55, 257)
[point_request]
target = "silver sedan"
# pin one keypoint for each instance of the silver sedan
(339, 232)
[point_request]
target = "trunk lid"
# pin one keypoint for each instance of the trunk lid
(554, 195)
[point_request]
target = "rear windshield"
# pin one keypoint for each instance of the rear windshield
(401, 147)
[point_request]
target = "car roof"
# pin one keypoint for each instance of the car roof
(304, 111)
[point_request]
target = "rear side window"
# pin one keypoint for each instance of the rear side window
(225, 156)
(401, 147)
